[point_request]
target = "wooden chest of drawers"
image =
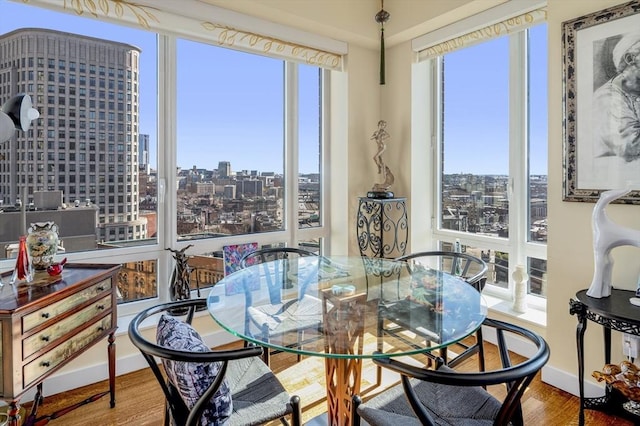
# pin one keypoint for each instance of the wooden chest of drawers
(49, 322)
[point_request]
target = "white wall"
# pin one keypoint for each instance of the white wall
(570, 245)
(364, 113)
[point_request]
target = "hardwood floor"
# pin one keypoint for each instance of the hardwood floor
(139, 400)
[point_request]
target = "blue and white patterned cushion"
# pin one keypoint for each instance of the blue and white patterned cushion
(192, 379)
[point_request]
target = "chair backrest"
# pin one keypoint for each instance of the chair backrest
(472, 269)
(516, 377)
(273, 253)
(278, 278)
(154, 352)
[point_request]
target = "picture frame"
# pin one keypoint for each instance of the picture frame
(598, 153)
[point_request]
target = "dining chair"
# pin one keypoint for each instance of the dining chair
(281, 277)
(204, 386)
(471, 269)
(444, 396)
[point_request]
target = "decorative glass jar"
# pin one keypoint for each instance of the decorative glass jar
(42, 242)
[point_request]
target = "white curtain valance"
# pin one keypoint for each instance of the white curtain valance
(203, 22)
(500, 28)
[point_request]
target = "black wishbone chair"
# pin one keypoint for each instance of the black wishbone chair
(447, 397)
(267, 320)
(204, 386)
(471, 269)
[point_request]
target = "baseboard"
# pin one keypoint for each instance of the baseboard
(550, 375)
(67, 380)
(569, 382)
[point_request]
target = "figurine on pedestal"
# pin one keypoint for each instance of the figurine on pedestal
(381, 190)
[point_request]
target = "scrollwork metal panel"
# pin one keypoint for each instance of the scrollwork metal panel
(382, 227)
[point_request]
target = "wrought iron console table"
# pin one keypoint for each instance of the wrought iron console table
(613, 313)
(383, 227)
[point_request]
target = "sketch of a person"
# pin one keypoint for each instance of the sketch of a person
(380, 136)
(616, 104)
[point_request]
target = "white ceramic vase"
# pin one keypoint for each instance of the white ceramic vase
(520, 278)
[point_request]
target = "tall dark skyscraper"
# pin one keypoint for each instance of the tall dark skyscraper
(143, 154)
(224, 169)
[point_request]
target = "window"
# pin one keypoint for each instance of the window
(537, 84)
(242, 143)
(66, 161)
(242, 187)
(490, 174)
(309, 158)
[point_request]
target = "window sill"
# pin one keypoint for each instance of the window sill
(504, 307)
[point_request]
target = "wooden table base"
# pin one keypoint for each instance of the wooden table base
(344, 323)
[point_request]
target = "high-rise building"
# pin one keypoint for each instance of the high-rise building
(224, 169)
(143, 154)
(85, 142)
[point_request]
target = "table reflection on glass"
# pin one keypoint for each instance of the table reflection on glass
(344, 302)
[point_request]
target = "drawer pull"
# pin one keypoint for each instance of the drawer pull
(45, 364)
(100, 288)
(45, 315)
(100, 307)
(101, 328)
(44, 338)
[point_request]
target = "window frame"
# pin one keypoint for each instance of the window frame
(427, 81)
(167, 235)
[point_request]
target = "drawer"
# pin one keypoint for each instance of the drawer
(45, 314)
(74, 346)
(34, 343)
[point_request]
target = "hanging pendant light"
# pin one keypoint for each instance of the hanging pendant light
(382, 17)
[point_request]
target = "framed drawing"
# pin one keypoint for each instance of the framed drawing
(601, 130)
(233, 254)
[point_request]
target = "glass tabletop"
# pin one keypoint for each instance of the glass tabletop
(346, 307)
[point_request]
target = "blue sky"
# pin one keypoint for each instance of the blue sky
(476, 105)
(234, 113)
(226, 113)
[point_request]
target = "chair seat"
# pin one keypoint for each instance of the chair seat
(258, 396)
(278, 317)
(242, 390)
(472, 406)
(445, 397)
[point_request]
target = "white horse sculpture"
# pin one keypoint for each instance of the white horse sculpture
(607, 235)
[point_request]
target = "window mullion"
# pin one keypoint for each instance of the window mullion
(518, 190)
(291, 151)
(167, 154)
(435, 138)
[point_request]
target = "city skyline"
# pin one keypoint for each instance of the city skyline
(233, 134)
(233, 127)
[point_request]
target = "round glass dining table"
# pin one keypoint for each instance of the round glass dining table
(346, 309)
